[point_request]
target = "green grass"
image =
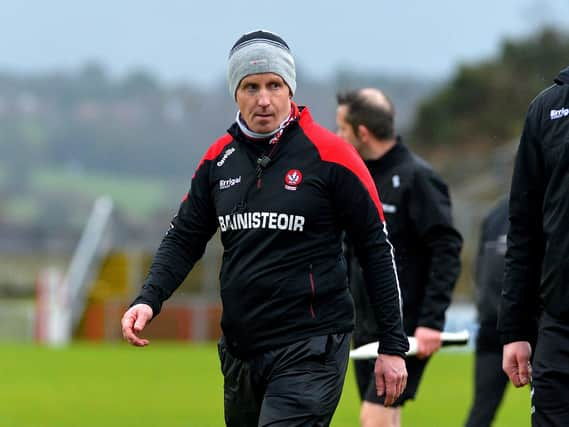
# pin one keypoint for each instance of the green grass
(180, 385)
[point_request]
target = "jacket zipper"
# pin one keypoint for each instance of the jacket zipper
(256, 182)
(313, 288)
(263, 163)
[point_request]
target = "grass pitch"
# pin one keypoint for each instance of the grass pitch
(171, 385)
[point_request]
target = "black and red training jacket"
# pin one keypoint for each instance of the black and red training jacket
(282, 211)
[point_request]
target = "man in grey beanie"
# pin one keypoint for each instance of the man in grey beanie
(282, 190)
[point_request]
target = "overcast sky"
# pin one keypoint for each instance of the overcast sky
(189, 40)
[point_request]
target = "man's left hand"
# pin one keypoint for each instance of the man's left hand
(390, 377)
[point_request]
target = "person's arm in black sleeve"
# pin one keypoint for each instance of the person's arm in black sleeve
(524, 254)
(357, 202)
(430, 211)
(183, 245)
(519, 303)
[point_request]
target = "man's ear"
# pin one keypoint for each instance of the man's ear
(363, 133)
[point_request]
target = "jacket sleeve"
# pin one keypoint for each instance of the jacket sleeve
(524, 255)
(430, 212)
(362, 218)
(183, 245)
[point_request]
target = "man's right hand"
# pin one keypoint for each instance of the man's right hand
(134, 321)
(516, 362)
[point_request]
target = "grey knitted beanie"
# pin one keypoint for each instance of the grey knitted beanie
(257, 52)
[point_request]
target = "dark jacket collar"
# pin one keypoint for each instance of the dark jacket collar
(397, 153)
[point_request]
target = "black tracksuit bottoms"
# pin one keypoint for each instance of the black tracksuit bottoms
(550, 376)
(296, 385)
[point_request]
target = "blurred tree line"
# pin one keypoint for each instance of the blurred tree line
(486, 102)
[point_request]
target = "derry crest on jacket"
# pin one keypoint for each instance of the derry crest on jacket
(292, 179)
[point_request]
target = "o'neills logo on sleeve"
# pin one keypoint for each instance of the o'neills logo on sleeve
(227, 153)
(264, 220)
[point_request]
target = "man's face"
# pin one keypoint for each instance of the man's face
(345, 130)
(264, 101)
